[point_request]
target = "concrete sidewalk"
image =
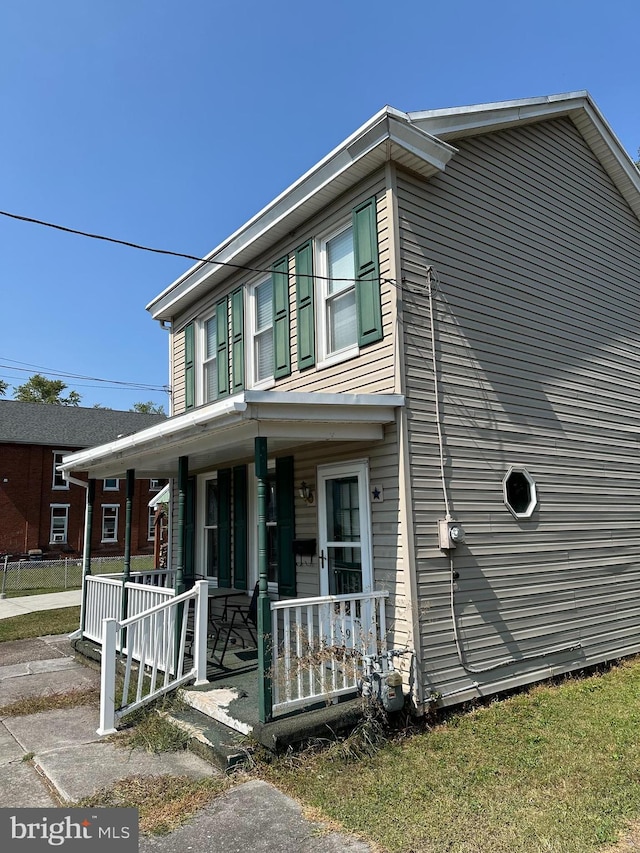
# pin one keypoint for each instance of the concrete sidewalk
(68, 761)
(33, 603)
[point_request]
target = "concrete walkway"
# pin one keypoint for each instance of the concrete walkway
(33, 603)
(68, 761)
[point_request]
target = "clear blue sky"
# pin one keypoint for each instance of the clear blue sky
(170, 124)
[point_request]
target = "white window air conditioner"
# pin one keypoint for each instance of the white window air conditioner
(58, 537)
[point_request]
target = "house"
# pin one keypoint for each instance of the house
(414, 375)
(40, 510)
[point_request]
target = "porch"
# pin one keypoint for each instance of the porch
(308, 648)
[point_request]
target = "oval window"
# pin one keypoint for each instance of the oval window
(519, 492)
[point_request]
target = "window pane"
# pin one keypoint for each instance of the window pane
(341, 321)
(264, 355)
(212, 552)
(212, 503)
(211, 340)
(210, 381)
(343, 510)
(264, 305)
(340, 261)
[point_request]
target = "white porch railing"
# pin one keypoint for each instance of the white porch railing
(155, 647)
(318, 645)
(103, 598)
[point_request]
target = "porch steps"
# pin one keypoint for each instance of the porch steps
(221, 746)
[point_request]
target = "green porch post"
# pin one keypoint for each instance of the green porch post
(86, 550)
(183, 477)
(265, 638)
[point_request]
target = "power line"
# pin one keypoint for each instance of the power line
(168, 251)
(134, 386)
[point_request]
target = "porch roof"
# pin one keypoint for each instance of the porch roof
(220, 432)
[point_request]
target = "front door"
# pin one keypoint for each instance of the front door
(344, 528)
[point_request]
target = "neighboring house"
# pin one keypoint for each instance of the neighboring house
(447, 327)
(39, 509)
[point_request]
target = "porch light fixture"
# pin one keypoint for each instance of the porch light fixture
(305, 493)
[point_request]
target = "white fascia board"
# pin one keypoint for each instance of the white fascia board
(161, 433)
(232, 416)
(578, 106)
(386, 126)
(460, 121)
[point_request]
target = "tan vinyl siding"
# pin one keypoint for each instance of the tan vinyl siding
(538, 348)
(177, 380)
(373, 370)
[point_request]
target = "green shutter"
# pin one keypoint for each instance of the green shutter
(189, 369)
(224, 527)
(305, 306)
(222, 355)
(365, 241)
(281, 345)
(237, 341)
(286, 526)
(240, 527)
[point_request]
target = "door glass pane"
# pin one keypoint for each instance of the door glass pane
(343, 526)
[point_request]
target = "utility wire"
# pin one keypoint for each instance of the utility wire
(166, 251)
(136, 386)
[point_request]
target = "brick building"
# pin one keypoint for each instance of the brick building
(39, 510)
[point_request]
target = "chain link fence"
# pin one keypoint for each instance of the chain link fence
(52, 575)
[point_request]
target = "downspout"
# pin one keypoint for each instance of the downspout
(90, 487)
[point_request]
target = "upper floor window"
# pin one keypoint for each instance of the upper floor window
(58, 480)
(261, 318)
(337, 293)
(209, 362)
(111, 484)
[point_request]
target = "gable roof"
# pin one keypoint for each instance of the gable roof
(67, 426)
(420, 141)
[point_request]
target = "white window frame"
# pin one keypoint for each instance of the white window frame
(117, 518)
(201, 361)
(325, 357)
(154, 485)
(115, 488)
(252, 332)
(52, 534)
(202, 527)
(151, 525)
(58, 482)
(533, 492)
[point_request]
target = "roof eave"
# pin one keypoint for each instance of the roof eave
(289, 418)
(388, 135)
(456, 123)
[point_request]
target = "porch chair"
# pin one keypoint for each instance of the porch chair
(237, 619)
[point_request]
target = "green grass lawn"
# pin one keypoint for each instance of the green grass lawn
(555, 769)
(63, 620)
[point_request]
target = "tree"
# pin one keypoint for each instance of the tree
(3, 388)
(148, 408)
(39, 389)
